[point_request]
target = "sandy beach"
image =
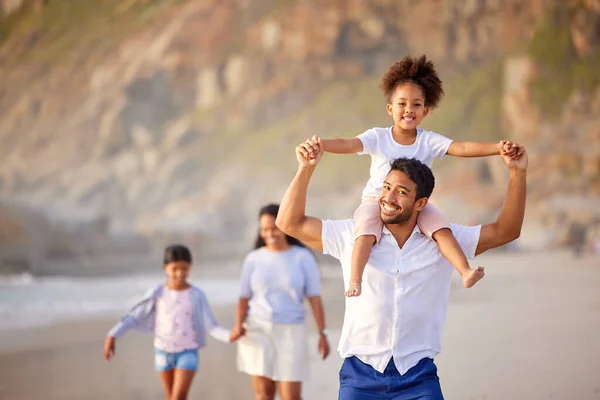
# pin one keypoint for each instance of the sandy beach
(529, 330)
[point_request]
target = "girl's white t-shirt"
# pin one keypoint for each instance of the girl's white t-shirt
(379, 143)
(174, 329)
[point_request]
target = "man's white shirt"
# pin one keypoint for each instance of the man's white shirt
(402, 308)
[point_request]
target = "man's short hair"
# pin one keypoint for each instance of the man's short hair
(418, 172)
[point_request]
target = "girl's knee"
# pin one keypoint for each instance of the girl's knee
(179, 396)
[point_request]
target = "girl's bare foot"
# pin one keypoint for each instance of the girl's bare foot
(353, 290)
(473, 276)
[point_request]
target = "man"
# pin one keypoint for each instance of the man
(392, 332)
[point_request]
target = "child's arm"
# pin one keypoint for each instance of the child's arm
(342, 146)
(212, 326)
(109, 347)
(125, 324)
(475, 149)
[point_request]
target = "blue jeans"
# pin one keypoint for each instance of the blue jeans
(360, 381)
(187, 359)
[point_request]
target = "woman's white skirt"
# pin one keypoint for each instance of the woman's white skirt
(276, 351)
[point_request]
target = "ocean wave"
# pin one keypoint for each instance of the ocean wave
(27, 301)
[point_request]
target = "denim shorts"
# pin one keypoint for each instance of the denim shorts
(187, 359)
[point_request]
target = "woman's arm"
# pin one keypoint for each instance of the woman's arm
(342, 146)
(240, 317)
(474, 149)
(319, 314)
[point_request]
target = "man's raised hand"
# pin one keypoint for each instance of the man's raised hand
(517, 158)
(309, 152)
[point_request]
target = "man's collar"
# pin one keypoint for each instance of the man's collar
(416, 229)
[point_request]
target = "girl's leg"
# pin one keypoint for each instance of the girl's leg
(182, 381)
(433, 224)
(360, 256)
(167, 381)
(450, 249)
(290, 390)
(264, 388)
(367, 232)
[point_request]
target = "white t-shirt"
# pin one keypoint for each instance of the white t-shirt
(402, 308)
(383, 149)
(276, 282)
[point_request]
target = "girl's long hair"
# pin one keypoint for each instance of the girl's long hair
(272, 210)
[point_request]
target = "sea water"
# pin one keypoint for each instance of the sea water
(27, 301)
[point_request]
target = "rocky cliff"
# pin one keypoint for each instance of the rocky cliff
(173, 115)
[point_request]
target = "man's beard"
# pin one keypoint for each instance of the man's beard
(398, 219)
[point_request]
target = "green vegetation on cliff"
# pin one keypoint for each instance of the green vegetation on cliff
(68, 30)
(560, 69)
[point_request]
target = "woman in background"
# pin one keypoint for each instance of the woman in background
(276, 278)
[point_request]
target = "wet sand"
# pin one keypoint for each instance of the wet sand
(529, 330)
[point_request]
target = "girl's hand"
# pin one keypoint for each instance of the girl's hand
(109, 348)
(236, 333)
(506, 147)
(512, 150)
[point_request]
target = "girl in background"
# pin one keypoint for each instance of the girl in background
(179, 316)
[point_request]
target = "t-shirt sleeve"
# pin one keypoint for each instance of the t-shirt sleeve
(369, 142)
(247, 268)
(311, 270)
(467, 237)
(438, 144)
(336, 236)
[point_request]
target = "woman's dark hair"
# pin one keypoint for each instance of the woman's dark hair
(419, 71)
(272, 210)
(177, 252)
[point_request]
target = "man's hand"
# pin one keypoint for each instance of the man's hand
(309, 152)
(514, 156)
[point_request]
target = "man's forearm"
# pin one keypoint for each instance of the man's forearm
(512, 214)
(293, 205)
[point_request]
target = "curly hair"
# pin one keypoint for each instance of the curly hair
(419, 71)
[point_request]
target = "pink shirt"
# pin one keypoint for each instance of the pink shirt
(174, 330)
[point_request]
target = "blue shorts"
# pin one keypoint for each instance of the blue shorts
(360, 381)
(187, 359)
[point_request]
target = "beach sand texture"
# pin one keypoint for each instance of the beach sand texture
(529, 330)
